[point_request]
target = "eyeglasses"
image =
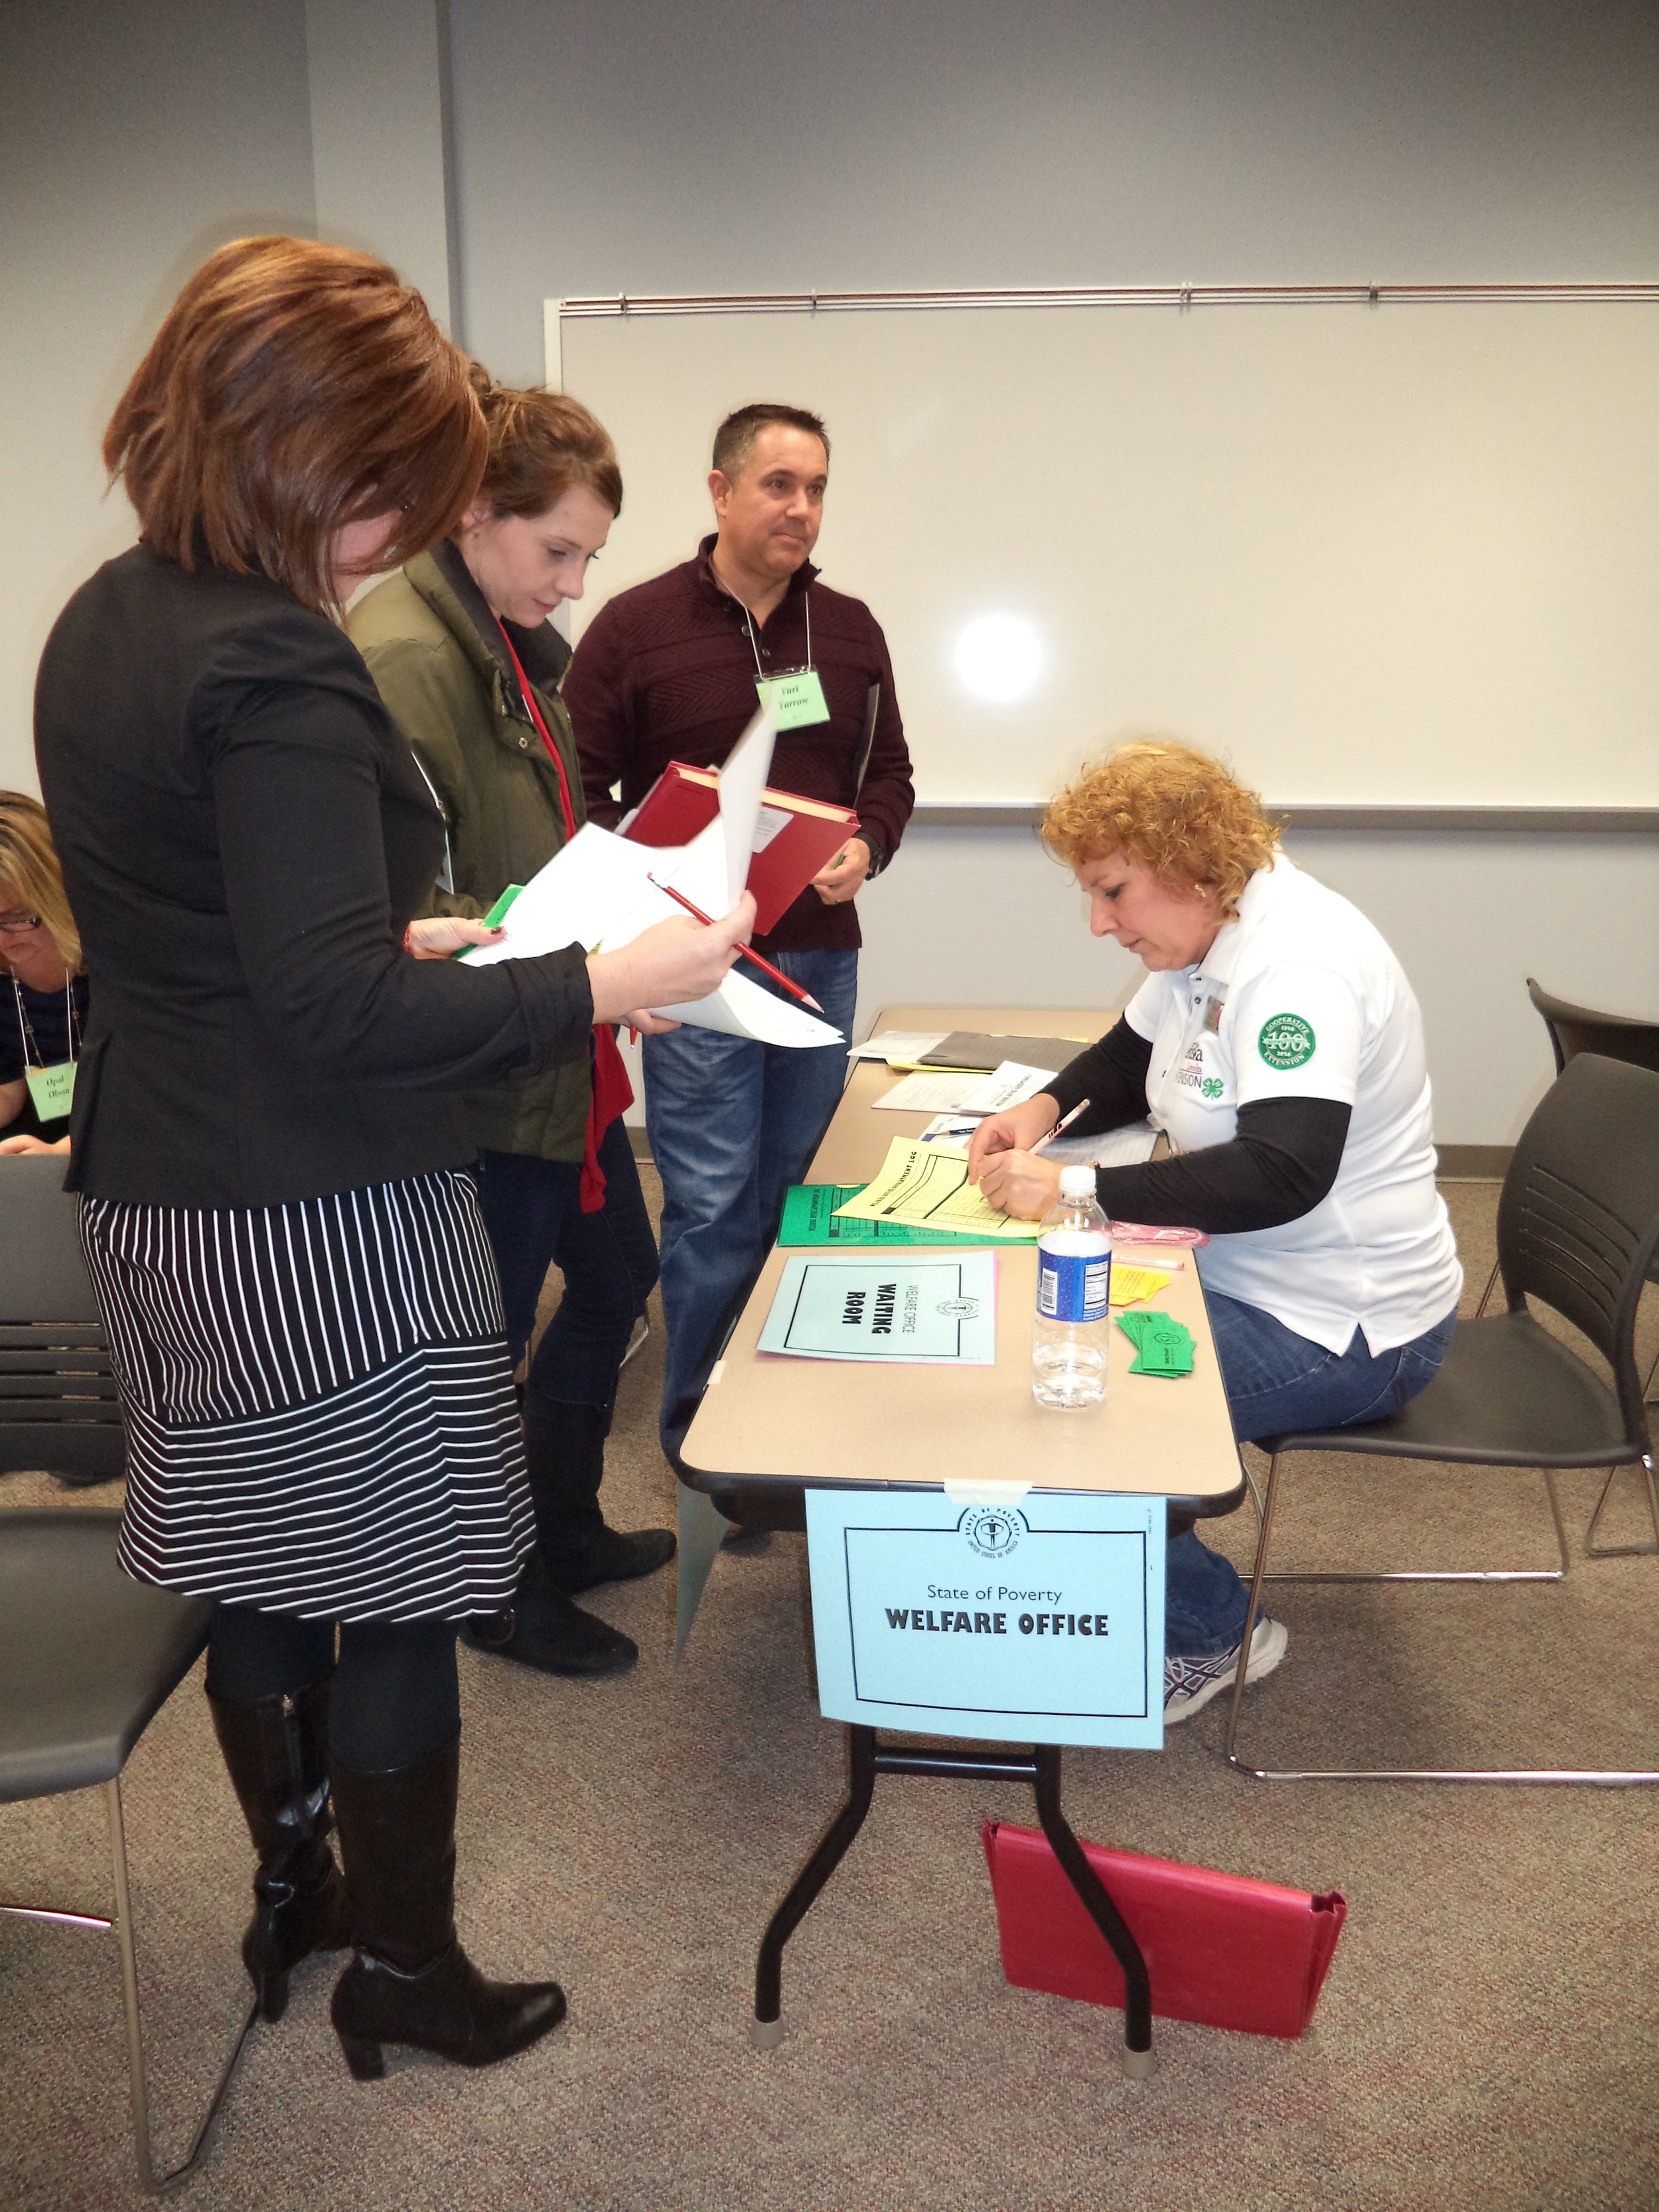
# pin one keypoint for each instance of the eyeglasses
(15, 922)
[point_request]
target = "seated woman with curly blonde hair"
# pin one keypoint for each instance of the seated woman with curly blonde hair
(1278, 1044)
(45, 979)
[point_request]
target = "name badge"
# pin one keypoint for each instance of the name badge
(51, 1088)
(796, 699)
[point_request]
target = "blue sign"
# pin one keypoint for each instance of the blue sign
(1042, 1621)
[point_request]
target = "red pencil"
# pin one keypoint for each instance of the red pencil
(747, 950)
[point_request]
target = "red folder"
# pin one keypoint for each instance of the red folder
(686, 799)
(1220, 1948)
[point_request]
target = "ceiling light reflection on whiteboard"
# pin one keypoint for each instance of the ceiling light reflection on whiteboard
(998, 657)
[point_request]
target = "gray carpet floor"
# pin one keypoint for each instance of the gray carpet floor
(1486, 2037)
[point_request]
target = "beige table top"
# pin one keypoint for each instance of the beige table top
(767, 1419)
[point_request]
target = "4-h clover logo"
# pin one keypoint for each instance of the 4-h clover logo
(1211, 1086)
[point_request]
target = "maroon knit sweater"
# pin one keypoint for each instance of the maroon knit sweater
(666, 672)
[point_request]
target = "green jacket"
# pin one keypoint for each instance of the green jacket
(433, 649)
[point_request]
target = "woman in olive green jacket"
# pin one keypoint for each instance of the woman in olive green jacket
(459, 647)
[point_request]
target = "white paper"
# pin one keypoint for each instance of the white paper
(596, 892)
(742, 779)
(740, 1008)
(1117, 1148)
(895, 1046)
(587, 891)
(925, 1092)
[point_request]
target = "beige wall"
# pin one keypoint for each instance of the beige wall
(647, 145)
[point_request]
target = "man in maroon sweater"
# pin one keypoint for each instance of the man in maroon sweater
(668, 671)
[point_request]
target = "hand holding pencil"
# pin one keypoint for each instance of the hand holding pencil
(671, 964)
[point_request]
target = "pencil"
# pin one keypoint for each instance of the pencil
(1064, 1122)
(747, 950)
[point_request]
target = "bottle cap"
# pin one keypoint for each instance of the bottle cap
(1077, 1182)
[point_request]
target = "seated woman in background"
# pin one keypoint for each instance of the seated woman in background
(461, 650)
(1278, 1044)
(44, 981)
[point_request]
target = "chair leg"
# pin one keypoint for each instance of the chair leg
(1595, 1550)
(121, 1927)
(1492, 1281)
(1606, 1778)
(1647, 1388)
(1452, 1574)
(1258, 1575)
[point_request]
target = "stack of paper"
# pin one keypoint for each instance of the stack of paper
(810, 1216)
(898, 1048)
(928, 1092)
(1163, 1345)
(927, 1186)
(597, 892)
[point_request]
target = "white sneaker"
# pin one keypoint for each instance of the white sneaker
(1189, 1684)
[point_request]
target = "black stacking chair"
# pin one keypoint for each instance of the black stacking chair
(58, 1403)
(1573, 1030)
(88, 1658)
(1578, 1228)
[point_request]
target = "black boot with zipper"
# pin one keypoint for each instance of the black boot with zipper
(411, 1983)
(275, 1750)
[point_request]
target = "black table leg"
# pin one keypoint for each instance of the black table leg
(768, 2030)
(1138, 2060)
(867, 1759)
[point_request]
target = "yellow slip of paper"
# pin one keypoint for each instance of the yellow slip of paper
(1131, 1284)
(927, 1187)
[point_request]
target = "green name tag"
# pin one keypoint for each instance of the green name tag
(796, 700)
(51, 1088)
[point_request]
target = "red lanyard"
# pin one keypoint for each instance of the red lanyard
(536, 717)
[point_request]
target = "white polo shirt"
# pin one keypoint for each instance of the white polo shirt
(1300, 998)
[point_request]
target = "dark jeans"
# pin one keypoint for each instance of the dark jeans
(532, 1213)
(1277, 1382)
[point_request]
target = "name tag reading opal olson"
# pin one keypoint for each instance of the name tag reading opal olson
(51, 1088)
(1042, 1622)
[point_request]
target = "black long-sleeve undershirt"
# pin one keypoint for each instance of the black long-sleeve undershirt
(1281, 1163)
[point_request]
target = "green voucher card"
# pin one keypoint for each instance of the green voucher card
(1042, 1622)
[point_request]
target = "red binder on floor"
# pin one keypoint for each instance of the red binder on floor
(1220, 1948)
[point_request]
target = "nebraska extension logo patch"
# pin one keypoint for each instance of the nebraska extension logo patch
(1287, 1041)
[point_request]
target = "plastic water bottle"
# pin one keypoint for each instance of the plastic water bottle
(1074, 1307)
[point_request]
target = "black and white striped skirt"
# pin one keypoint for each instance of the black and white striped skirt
(320, 1412)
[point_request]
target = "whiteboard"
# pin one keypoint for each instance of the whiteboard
(1394, 555)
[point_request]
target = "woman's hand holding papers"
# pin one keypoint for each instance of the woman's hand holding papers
(672, 963)
(440, 934)
(1000, 1162)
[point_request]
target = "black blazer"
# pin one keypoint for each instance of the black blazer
(244, 837)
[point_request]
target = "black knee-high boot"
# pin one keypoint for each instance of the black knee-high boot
(275, 1750)
(564, 1457)
(410, 1982)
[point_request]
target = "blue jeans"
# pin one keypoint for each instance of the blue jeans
(1277, 1382)
(731, 1125)
(533, 1212)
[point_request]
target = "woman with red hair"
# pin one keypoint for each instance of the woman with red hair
(304, 1320)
